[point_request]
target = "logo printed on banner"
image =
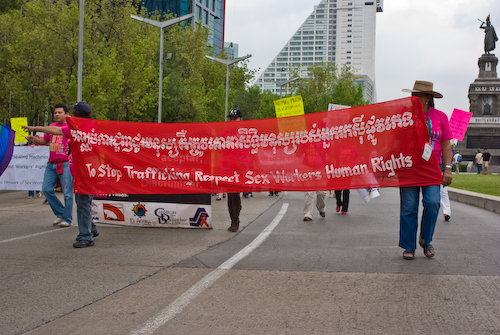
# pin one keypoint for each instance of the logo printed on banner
(163, 215)
(139, 210)
(113, 212)
(200, 218)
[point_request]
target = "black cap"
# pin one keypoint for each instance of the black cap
(83, 108)
(235, 113)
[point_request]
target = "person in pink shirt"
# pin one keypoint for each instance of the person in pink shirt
(57, 169)
(440, 136)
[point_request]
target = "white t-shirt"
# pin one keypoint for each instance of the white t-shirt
(479, 158)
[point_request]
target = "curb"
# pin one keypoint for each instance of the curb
(488, 202)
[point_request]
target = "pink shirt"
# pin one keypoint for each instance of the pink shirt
(440, 131)
(58, 144)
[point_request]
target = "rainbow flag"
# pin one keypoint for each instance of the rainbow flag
(6, 146)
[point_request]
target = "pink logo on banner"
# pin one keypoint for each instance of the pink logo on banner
(459, 122)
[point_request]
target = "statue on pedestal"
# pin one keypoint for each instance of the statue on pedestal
(490, 37)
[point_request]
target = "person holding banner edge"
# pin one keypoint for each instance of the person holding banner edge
(440, 136)
(86, 227)
(57, 168)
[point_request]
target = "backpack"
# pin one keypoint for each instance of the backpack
(459, 158)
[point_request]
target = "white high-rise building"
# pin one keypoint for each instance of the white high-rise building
(339, 31)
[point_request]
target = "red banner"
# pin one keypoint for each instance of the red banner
(377, 145)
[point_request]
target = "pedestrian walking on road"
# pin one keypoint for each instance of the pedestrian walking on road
(342, 198)
(233, 199)
(440, 136)
(309, 204)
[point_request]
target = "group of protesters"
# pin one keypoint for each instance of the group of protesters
(59, 170)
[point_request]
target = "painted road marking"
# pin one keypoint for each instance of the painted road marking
(187, 297)
(32, 235)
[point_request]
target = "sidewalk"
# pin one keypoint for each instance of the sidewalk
(488, 202)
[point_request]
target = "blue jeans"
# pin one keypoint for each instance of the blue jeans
(50, 179)
(84, 215)
(408, 219)
(479, 168)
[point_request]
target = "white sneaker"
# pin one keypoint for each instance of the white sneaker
(57, 221)
(64, 224)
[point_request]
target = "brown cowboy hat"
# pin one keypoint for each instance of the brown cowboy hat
(424, 87)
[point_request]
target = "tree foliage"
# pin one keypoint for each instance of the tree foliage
(325, 84)
(39, 67)
(6, 5)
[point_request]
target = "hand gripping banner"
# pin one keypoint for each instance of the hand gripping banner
(377, 145)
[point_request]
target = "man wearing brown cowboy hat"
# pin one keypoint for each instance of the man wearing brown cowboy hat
(440, 136)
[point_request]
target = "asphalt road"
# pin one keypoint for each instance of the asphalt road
(343, 274)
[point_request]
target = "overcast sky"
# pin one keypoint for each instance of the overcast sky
(433, 40)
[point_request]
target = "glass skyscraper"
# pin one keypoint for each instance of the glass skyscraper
(339, 31)
(209, 12)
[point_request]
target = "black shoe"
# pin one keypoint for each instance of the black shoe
(447, 217)
(83, 244)
(95, 233)
(306, 218)
(323, 214)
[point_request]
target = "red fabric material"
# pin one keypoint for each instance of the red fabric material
(59, 168)
(377, 145)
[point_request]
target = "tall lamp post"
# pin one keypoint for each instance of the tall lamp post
(228, 62)
(80, 53)
(162, 25)
(282, 83)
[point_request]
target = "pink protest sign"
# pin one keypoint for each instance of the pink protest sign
(459, 122)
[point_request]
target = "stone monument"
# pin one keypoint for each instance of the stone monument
(484, 98)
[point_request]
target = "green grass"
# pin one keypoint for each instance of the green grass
(486, 184)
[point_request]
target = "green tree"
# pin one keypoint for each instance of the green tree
(326, 84)
(39, 68)
(6, 5)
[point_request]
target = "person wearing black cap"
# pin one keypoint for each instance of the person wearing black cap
(86, 227)
(233, 199)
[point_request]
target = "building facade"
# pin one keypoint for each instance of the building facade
(231, 50)
(210, 13)
(339, 31)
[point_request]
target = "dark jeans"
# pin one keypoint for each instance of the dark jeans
(234, 206)
(342, 199)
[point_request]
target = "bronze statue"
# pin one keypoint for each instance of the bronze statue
(490, 37)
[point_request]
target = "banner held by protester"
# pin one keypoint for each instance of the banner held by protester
(377, 145)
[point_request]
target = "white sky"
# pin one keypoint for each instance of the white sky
(433, 40)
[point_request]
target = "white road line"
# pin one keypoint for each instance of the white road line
(15, 207)
(28, 236)
(187, 297)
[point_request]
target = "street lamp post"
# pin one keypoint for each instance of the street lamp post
(162, 25)
(228, 62)
(282, 83)
(80, 53)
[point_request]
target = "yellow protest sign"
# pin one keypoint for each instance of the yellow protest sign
(15, 124)
(289, 106)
